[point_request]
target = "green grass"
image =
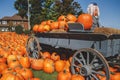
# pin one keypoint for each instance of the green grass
(45, 76)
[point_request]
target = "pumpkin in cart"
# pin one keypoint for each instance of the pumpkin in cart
(86, 20)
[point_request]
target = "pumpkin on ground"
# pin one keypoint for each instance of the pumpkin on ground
(59, 65)
(55, 56)
(12, 76)
(77, 77)
(48, 66)
(37, 64)
(26, 73)
(25, 62)
(64, 75)
(116, 76)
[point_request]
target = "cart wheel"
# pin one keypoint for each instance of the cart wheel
(33, 47)
(91, 64)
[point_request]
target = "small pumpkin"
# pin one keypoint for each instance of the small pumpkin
(54, 25)
(37, 64)
(116, 76)
(40, 28)
(3, 66)
(3, 59)
(25, 62)
(71, 17)
(59, 65)
(77, 77)
(62, 18)
(48, 66)
(63, 25)
(7, 70)
(64, 75)
(55, 56)
(35, 79)
(13, 64)
(12, 76)
(26, 73)
(46, 54)
(35, 28)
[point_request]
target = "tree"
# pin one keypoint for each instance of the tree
(41, 10)
(65, 7)
(21, 6)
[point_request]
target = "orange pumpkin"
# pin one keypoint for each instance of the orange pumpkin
(63, 75)
(77, 77)
(25, 62)
(48, 66)
(55, 56)
(59, 65)
(63, 25)
(3, 66)
(71, 17)
(37, 64)
(35, 79)
(54, 25)
(116, 76)
(40, 28)
(13, 64)
(43, 23)
(48, 22)
(86, 20)
(46, 28)
(26, 73)
(12, 76)
(3, 59)
(35, 28)
(7, 70)
(62, 18)
(46, 54)
(11, 58)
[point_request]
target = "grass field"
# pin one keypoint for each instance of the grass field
(45, 76)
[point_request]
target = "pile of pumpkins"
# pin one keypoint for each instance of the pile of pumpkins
(62, 23)
(16, 65)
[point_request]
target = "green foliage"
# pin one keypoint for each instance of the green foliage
(41, 10)
(45, 76)
(27, 32)
(21, 6)
(19, 29)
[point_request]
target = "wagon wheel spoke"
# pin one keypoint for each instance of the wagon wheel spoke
(78, 60)
(91, 64)
(94, 76)
(99, 73)
(93, 60)
(87, 58)
(83, 59)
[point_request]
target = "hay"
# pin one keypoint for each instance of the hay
(106, 30)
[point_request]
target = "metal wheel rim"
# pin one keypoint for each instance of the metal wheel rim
(33, 47)
(84, 64)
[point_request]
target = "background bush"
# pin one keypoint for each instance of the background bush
(19, 29)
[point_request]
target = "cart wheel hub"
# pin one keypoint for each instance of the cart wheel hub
(85, 70)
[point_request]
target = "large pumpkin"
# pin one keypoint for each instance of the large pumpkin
(86, 20)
